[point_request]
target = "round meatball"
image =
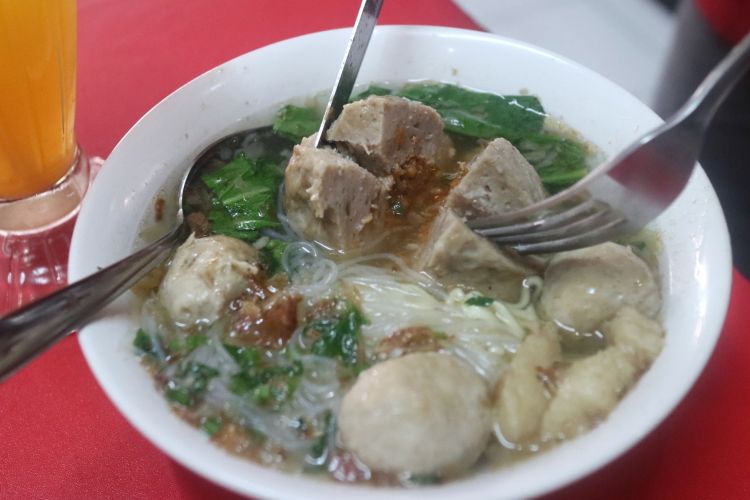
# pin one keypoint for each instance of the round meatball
(424, 413)
(205, 274)
(584, 287)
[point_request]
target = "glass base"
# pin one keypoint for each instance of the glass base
(33, 265)
(45, 211)
(35, 237)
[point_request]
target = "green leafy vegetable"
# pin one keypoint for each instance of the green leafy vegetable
(296, 122)
(142, 341)
(480, 114)
(338, 336)
(244, 199)
(271, 255)
(246, 357)
(223, 223)
(262, 393)
(559, 161)
(480, 300)
(192, 342)
(183, 346)
(181, 396)
(190, 383)
(211, 425)
(266, 385)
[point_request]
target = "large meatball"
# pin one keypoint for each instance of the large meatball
(584, 287)
(424, 413)
(205, 274)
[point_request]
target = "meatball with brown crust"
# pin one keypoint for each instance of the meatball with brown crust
(205, 274)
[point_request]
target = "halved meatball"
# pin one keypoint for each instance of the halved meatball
(584, 287)
(329, 198)
(205, 274)
(424, 413)
(456, 255)
(497, 180)
(383, 132)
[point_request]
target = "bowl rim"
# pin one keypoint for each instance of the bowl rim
(720, 298)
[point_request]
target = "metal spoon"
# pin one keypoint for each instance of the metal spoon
(368, 15)
(29, 331)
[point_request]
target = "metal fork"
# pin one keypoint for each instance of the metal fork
(627, 192)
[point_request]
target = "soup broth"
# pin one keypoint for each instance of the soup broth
(333, 314)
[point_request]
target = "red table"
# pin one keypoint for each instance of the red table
(59, 435)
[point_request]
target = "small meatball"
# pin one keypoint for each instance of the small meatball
(204, 275)
(524, 391)
(498, 180)
(584, 287)
(383, 132)
(591, 387)
(456, 255)
(424, 413)
(329, 198)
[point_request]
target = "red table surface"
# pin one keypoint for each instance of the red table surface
(60, 437)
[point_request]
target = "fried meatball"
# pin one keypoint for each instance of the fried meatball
(424, 413)
(522, 398)
(204, 275)
(592, 387)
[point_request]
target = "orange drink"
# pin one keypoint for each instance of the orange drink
(37, 94)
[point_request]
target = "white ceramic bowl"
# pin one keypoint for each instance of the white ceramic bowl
(695, 263)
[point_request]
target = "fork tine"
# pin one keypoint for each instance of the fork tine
(542, 224)
(599, 234)
(555, 203)
(599, 217)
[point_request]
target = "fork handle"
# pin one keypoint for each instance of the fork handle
(712, 91)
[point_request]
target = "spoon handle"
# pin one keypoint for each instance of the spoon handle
(367, 18)
(27, 332)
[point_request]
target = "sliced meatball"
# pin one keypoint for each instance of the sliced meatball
(584, 287)
(497, 180)
(383, 132)
(205, 274)
(424, 413)
(524, 391)
(590, 388)
(456, 255)
(329, 198)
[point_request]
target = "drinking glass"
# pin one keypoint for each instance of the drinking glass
(43, 174)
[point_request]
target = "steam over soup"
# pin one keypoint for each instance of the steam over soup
(349, 323)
